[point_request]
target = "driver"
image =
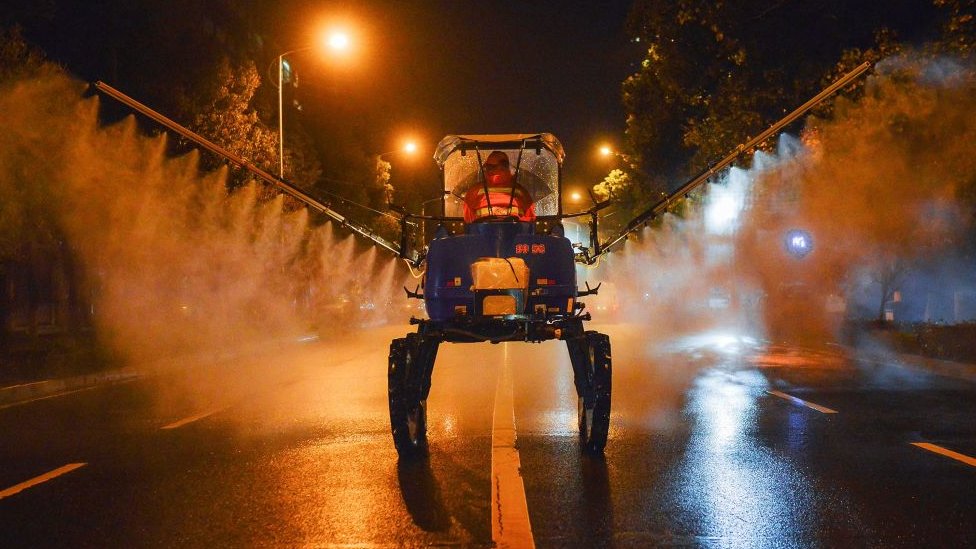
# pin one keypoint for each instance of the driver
(506, 197)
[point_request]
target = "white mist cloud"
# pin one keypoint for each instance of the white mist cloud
(173, 262)
(877, 183)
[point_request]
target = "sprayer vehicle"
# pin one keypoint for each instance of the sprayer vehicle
(498, 269)
(503, 271)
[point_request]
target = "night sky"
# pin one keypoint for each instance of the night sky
(436, 68)
(421, 68)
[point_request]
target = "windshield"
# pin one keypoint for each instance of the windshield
(537, 172)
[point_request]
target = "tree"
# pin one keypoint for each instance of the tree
(228, 116)
(959, 28)
(888, 273)
(17, 58)
(228, 119)
(30, 235)
(715, 73)
(619, 187)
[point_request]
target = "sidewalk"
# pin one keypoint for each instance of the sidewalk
(25, 392)
(13, 393)
(946, 368)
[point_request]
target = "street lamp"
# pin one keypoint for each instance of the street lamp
(336, 41)
(608, 153)
(409, 147)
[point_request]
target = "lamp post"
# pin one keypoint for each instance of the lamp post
(423, 213)
(575, 197)
(337, 41)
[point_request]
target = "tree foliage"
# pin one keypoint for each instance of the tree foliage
(27, 221)
(17, 58)
(35, 262)
(959, 28)
(228, 119)
(716, 73)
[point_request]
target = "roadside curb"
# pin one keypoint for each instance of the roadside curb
(947, 368)
(24, 392)
(958, 370)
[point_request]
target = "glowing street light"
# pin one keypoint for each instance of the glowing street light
(606, 151)
(335, 41)
(408, 148)
(338, 41)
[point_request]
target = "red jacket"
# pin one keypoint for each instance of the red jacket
(503, 204)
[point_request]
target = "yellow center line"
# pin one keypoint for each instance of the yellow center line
(38, 480)
(801, 402)
(510, 525)
(191, 419)
(946, 452)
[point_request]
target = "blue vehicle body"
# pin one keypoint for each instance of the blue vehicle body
(552, 282)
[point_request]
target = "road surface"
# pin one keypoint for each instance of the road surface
(716, 441)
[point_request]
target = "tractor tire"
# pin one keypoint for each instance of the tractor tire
(593, 407)
(408, 411)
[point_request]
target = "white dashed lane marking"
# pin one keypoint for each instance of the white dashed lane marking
(946, 452)
(191, 419)
(16, 489)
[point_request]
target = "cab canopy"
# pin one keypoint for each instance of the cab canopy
(535, 159)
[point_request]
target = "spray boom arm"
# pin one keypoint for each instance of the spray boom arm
(416, 258)
(662, 206)
(282, 185)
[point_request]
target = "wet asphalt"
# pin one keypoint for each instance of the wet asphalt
(716, 441)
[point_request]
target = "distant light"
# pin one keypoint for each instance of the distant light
(606, 151)
(575, 196)
(410, 147)
(339, 41)
(799, 243)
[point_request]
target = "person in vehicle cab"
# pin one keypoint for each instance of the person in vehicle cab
(505, 197)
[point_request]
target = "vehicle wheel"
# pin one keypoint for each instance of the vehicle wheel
(408, 412)
(593, 408)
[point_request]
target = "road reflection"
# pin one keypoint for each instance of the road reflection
(422, 495)
(597, 500)
(734, 490)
